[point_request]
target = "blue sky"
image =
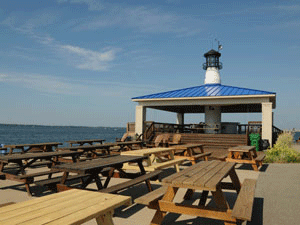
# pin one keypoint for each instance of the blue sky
(79, 62)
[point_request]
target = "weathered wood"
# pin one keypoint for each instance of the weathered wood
(166, 164)
(32, 175)
(56, 180)
(244, 204)
(69, 207)
(130, 183)
(150, 199)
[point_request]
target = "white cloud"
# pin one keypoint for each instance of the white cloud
(63, 86)
(88, 59)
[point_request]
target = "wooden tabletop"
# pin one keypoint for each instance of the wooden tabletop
(33, 145)
(242, 148)
(147, 151)
(205, 175)
(40, 155)
(68, 207)
(86, 167)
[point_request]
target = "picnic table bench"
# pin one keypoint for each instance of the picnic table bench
(206, 176)
(39, 147)
(187, 151)
(156, 158)
(245, 154)
(110, 167)
(68, 207)
(26, 160)
(82, 142)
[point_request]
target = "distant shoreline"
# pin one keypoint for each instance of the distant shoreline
(13, 124)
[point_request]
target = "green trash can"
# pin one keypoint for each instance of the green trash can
(255, 140)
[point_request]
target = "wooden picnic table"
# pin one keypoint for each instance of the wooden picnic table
(82, 142)
(38, 147)
(245, 154)
(109, 164)
(105, 148)
(157, 158)
(68, 207)
(26, 160)
(128, 145)
(187, 151)
(205, 176)
(91, 149)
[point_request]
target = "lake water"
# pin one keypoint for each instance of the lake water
(30, 134)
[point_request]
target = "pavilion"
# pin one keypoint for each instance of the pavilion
(212, 99)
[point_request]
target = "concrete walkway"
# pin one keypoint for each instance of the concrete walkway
(278, 196)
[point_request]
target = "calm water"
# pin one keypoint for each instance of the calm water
(30, 134)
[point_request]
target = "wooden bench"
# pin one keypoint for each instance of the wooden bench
(150, 199)
(165, 164)
(242, 209)
(39, 174)
(146, 177)
(259, 159)
(51, 183)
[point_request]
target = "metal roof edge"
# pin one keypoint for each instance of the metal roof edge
(200, 98)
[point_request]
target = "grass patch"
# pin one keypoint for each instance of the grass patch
(282, 151)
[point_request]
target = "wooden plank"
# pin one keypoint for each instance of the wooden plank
(243, 148)
(43, 173)
(76, 211)
(152, 196)
(166, 164)
(217, 178)
(130, 183)
(184, 174)
(244, 204)
(199, 211)
(147, 151)
(88, 213)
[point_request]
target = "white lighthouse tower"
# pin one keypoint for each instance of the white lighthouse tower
(212, 77)
(212, 67)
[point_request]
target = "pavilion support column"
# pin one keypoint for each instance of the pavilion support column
(267, 121)
(180, 118)
(213, 119)
(140, 117)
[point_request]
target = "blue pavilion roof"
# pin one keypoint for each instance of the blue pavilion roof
(207, 90)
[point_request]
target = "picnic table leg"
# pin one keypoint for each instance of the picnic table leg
(203, 198)
(98, 182)
(159, 215)
(219, 199)
(110, 174)
(105, 218)
(235, 180)
(172, 157)
(148, 184)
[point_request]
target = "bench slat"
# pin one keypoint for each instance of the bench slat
(243, 206)
(152, 196)
(166, 164)
(202, 155)
(43, 173)
(260, 157)
(130, 183)
(57, 180)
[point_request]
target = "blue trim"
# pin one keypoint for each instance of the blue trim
(207, 90)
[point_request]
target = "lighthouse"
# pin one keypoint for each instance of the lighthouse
(212, 77)
(212, 67)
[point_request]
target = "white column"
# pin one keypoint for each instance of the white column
(140, 117)
(267, 121)
(180, 118)
(213, 118)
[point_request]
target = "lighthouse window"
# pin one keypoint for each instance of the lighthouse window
(212, 61)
